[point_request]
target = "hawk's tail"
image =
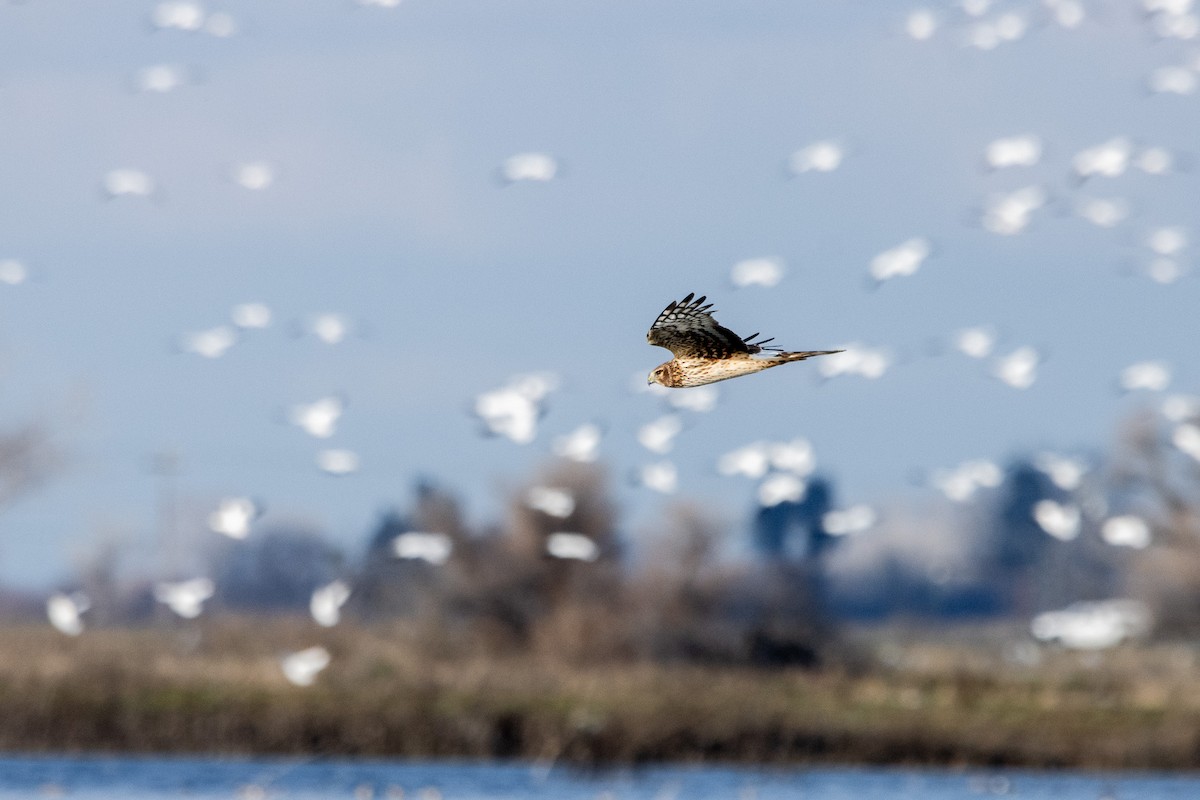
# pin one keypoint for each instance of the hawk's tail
(803, 354)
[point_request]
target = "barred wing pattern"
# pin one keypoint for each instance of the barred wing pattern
(688, 330)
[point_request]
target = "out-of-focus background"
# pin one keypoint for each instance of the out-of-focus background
(332, 315)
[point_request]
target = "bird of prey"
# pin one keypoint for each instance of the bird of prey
(706, 352)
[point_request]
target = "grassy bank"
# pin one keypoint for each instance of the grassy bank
(217, 688)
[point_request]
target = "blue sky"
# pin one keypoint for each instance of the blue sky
(673, 123)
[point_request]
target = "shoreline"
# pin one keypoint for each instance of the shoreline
(580, 770)
(221, 692)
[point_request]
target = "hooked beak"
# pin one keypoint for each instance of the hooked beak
(649, 379)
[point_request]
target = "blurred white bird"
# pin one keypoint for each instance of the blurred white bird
(765, 272)
(179, 15)
(319, 418)
(855, 359)
(961, 483)
(1019, 368)
(535, 167)
(329, 327)
(661, 476)
(1014, 151)
(185, 598)
(1186, 437)
(581, 444)
(781, 487)
(975, 342)
(160, 78)
(338, 462)
(211, 343)
(1102, 212)
(253, 175)
(551, 501)
(921, 24)
(1126, 531)
(1060, 520)
(251, 315)
(326, 603)
(975, 8)
(301, 668)
(822, 156)
(796, 457)
(991, 33)
(128, 182)
(1164, 270)
(1172, 80)
(513, 411)
(1068, 14)
(434, 548)
(1010, 213)
(1108, 159)
(854, 519)
(1181, 407)
(1168, 241)
(13, 272)
(1065, 473)
(1172, 19)
(1152, 376)
(1093, 625)
(1155, 161)
(572, 546)
(900, 261)
(64, 611)
(699, 399)
(659, 436)
(752, 461)
(233, 517)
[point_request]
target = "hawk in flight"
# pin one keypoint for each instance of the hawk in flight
(707, 352)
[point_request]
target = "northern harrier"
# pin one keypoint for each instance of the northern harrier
(706, 352)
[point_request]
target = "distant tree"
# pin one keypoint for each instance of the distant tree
(554, 603)
(692, 605)
(380, 588)
(592, 515)
(388, 585)
(677, 595)
(793, 531)
(1029, 567)
(792, 538)
(1151, 473)
(1017, 541)
(501, 588)
(274, 569)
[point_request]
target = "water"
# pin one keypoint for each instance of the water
(119, 778)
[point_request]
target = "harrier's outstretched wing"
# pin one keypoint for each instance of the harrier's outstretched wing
(688, 330)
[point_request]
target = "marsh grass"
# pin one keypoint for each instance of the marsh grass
(217, 688)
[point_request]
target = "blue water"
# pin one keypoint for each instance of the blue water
(94, 778)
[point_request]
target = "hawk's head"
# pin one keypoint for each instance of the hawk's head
(660, 375)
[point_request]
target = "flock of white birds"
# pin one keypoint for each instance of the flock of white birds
(781, 469)
(235, 516)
